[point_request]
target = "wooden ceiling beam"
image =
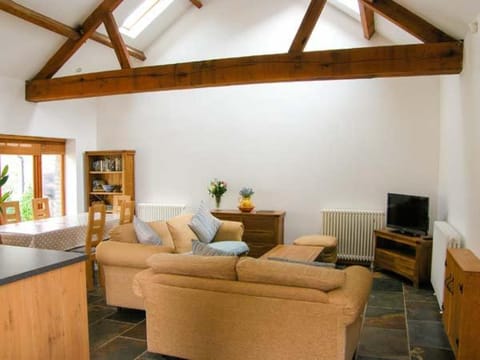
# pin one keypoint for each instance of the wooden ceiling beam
(197, 3)
(69, 48)
(407, 20)
(48, 23)
(306, 27)
(117, 40)
(384, 61)
(368, 20)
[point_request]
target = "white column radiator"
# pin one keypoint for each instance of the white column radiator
(154, 212)
(354, 231)
(444, 237)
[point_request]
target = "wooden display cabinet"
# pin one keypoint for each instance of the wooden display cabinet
(263, 229)
(409, 256)
(115, 167)
(461, 301)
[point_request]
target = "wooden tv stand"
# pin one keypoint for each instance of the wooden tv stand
(409, 256)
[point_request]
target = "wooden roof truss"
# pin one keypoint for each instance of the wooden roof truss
(437, 54)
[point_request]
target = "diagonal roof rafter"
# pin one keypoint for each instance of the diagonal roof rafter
(403, 18)
(48, 23)
(117, 40)
(69, 48)
(308, 24)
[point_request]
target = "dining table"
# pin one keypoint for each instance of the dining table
(55, 233)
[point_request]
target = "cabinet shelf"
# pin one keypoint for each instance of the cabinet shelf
(106, 193)
(408, 256)
(97, 164)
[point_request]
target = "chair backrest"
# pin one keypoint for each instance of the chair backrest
(41, 208)
(10, 212)
(127, 210)
(95, 227)
(117, 201)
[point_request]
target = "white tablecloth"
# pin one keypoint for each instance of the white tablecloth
(56, 233)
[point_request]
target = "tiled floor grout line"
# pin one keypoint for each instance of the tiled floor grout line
(404, 293)
(117, 336)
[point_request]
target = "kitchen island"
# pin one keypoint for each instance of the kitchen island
(43, 304)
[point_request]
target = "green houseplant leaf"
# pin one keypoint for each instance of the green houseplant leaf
(3, 180)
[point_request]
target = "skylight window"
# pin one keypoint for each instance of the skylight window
(142, 16)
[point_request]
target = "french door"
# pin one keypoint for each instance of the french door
(36, 169)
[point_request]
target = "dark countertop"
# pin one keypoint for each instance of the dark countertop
(18, 262)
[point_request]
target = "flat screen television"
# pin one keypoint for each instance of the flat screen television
(407, 213)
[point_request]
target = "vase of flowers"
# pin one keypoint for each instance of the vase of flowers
(216, 189)
(246, 204)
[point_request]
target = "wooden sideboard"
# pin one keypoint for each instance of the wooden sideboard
(263, 229)
(461, 301)
(409, 256)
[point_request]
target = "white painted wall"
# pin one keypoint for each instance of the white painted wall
(459, 176)
(302, 146)
(74, 120)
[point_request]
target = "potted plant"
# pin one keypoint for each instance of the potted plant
(246, 204)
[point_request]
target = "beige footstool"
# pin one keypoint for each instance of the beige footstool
(329, 254)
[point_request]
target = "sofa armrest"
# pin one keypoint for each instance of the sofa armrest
(117, 253)
(353, 295)
(229, 230)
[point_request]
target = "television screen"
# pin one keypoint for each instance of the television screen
(408, 213)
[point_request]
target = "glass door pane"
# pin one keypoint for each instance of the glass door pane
(52, 182)
(20, 181)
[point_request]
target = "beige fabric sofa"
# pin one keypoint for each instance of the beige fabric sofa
(123, 256)
(224, 307)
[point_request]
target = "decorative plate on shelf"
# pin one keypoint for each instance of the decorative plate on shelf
(108, 188)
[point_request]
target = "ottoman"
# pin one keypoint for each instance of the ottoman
(329, 254)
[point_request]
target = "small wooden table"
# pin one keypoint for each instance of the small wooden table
(294, 252)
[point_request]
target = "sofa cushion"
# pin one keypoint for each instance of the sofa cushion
(161, 229)
(213, 267)
(126, 233)
(145, 234)
(289, 274)
(316, 240)
(199, 248)
(233, 247)
(182, 235)
(204, 224)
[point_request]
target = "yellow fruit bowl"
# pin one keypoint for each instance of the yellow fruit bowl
(246, 209)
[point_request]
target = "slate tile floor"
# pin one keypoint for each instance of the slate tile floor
(401, 323)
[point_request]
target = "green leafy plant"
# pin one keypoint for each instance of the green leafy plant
(3, 180)
(26, 204)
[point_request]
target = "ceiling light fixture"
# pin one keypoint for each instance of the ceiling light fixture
(142, 16)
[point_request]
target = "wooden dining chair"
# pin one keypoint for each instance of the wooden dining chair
(117, 201)
(41, 208)
(94, 236)
(127, 210)
(10, 213)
